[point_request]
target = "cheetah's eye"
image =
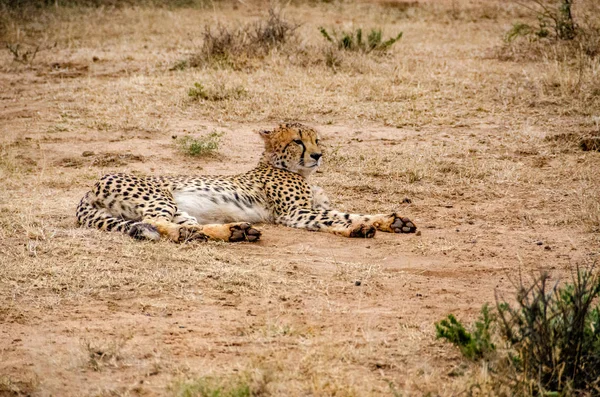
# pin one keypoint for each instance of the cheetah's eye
(316, 141)
(298, 141)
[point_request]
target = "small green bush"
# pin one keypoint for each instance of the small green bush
(553, 21)
(473, 345)
(210, 387)
(218, 93)
(551, 334)
(354, 41)
(554, 333)
(199, 147)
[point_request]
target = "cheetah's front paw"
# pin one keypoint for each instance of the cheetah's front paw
(402, 225)
(243, 232)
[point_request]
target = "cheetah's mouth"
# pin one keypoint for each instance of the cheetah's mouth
(313, 165)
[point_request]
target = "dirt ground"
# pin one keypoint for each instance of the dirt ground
(480, 151)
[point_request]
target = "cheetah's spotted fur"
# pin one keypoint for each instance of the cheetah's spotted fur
(223, 207)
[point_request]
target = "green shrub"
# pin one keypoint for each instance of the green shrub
(554, 21)
(210, 387)
(554, 333)
(218, 93)
(199, 147)
(354, 41)
(245, 384)
(473, 345)
(551, 334)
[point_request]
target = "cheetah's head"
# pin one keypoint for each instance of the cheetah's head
(293, 147)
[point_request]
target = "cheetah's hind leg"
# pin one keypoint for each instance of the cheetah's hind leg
(230, 232)
(91, 215)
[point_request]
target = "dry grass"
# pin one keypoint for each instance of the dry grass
(480, 148)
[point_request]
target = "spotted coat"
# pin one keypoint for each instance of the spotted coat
(225, 207)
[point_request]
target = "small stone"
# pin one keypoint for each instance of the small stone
(87, 153)
(418, 233)
(406, 200)
(419, 295)
(547, 248)
(95, 59)
(540, 243)
(358, 283)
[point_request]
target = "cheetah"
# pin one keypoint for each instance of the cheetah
(183, 208)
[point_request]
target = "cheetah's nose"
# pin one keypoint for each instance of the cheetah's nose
(316, 156)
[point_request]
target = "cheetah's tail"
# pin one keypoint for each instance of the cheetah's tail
(92, 216)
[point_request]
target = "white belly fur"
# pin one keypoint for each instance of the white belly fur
(206, 211)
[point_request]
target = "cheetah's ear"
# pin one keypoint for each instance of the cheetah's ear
(265, 134)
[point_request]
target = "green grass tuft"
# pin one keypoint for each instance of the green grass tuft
(200, 147)
(354, 41)
(473, 345)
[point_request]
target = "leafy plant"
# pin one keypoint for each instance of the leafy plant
(552, 337)
(199, 147)
(218, 93)
(554, 21)
(354, 41)
(245, 384)
(473, 345)
(210, 387)
(555, 332)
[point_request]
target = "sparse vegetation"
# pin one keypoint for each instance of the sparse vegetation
(18, 386)
(554, 332)
(476, 344)
(556, 26)
(226, 46)
(26, 53)
(354, 40)
(218, 93)
(20, 54)
(555, 19)
(552, 337)
(211, 387)
(103, 354)
(199, 147)
(252, 383)
(569, 47)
